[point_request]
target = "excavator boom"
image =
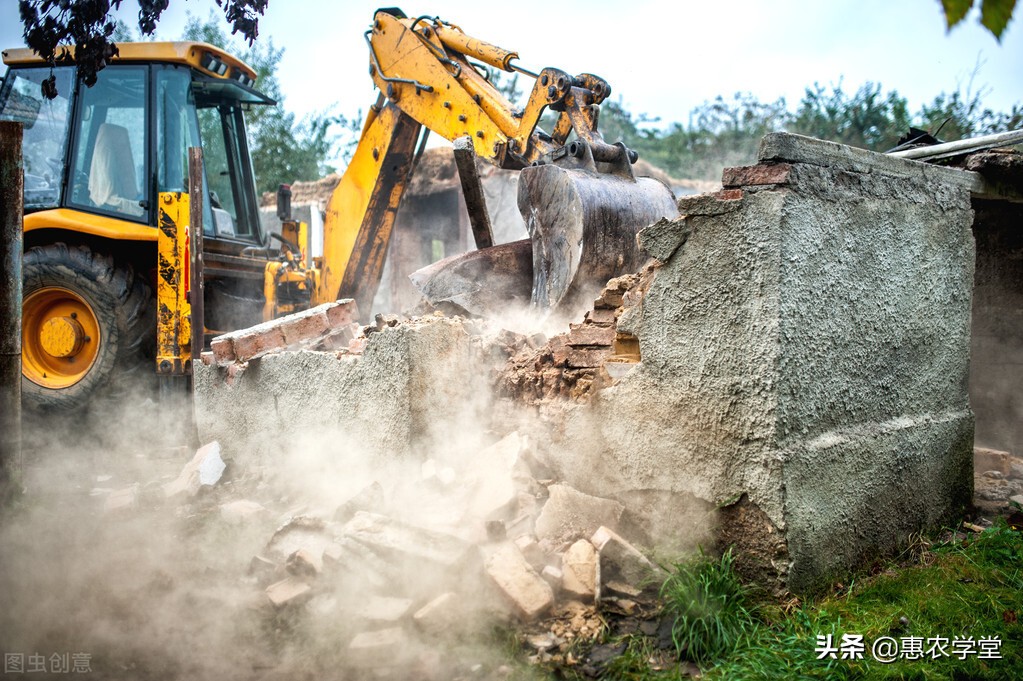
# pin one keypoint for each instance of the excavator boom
(427, 74)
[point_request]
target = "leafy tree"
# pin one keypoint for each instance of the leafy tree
(87, 25)
(867, 119)
(994, 14)
(283, 150)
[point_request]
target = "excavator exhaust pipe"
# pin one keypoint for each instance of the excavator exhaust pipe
(582, 216)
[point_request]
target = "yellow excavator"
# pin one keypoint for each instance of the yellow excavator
(107, 210)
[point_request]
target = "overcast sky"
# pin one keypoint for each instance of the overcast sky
(661, 57)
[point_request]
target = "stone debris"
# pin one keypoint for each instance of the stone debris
(205, 468)
(443, 614)
(531, 551)
(383, 610)
(406, 543)
(552, 576)
(241, 511)
(122, 499)
(527, 593)
(293, 331)
(384, 647)
(304, 563)
(302, 532)
(368, 498)
(621, 561)
(289, 590)
(569, 514)
(580, 571)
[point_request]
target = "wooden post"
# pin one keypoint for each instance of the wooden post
(11, 197)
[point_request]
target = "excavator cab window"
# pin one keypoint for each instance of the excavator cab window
(45, 125)
(110, 154)
(220, 105)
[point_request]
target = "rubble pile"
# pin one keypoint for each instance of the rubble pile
(998, 481)
(572, 365)
(444, 556)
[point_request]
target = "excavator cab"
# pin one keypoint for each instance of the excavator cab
(97, 161)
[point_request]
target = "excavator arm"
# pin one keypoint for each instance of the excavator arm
(425, 71)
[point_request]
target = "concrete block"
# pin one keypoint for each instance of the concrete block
(382, 610)
(552, 576)
(122, 500)
(369, 498)
(531, 551)
(621, 561)
(377, 649)
(569, 514)
(288, 591)
(407, 543)
(205, 468)
(241, 511)
(441, 615)
(305, 563)
(302, 532)
(580, 571)
(525, 591)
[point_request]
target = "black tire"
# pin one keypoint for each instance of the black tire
(59, 278)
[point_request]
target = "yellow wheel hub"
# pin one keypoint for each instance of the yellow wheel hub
(60, 337)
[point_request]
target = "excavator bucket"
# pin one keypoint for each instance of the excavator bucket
(582, 217)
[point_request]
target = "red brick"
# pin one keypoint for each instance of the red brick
(590, 334)
(342, 312)
(222, 349)
(601, 317)
(584, 358)
(729, 195)
(304, 326)
(257, 341)
(765, 173)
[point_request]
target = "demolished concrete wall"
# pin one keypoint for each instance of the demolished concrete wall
(801, 391)
(805, 350)
(410, 389)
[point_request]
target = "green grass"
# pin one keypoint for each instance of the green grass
(970, 588)
(712, 611)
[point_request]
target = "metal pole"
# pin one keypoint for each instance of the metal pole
(196, 286)
(11, 196)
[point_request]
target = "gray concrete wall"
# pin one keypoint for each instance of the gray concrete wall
(415, 386)
(805, 348)
(996, 373)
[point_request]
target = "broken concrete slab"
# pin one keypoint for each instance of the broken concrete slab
(528, 594)
(205, 469)
(302, 532)
(394, 400)
(369, 498)
(580, 570)
(406, 543)
(377, 649)
(241, 511)
(288, 591)
(441, 615)
(531, 551)
(552, 576)
(620, 561)
(304, 563)
(123, 499)
(985, 459)
(570, 514)
(381, 610)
